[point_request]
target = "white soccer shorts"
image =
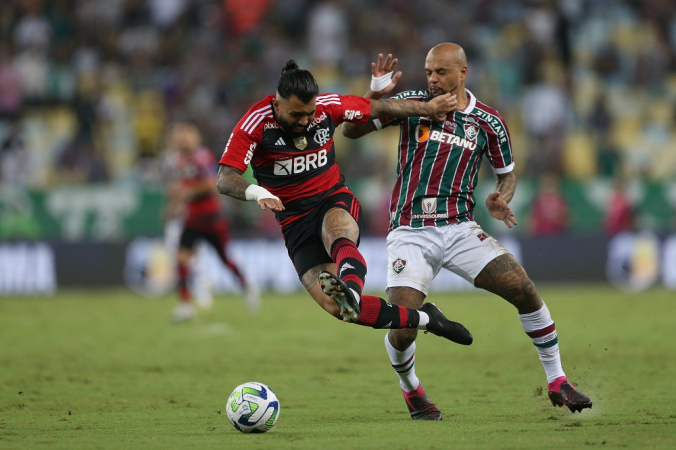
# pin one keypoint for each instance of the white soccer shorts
(415, 255)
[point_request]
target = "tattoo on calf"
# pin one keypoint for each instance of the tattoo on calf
(505, 277)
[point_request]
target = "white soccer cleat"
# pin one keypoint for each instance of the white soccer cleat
(253, 298)
(183, 313)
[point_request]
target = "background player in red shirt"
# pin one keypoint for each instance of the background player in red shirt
(288, 139)
(193, 196)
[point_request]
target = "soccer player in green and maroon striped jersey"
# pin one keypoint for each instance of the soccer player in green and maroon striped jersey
(432, 224)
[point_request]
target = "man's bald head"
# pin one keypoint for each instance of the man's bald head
(446, 68)
(450, 52)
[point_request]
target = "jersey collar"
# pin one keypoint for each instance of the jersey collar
(471, 102)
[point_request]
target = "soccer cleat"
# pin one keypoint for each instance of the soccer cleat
(183, 313)
(420, 407)
(441, 326)
(561, 392)
(341, 294)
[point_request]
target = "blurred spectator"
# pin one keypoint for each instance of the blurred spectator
(16, 162)
(107, 76)
(620, 213)
(549, 213)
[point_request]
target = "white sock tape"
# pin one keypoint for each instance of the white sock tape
(380, 83)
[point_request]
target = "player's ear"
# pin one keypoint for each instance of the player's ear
(275, 105)
(463, 73)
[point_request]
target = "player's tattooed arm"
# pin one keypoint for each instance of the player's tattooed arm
(437, 108)
(231, 183)
(496, 203)
(506, 186)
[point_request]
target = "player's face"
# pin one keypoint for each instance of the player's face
(184, 138)
(444, 75)
(293, 115)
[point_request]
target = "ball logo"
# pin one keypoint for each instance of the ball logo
(322, 136)
(422, 133)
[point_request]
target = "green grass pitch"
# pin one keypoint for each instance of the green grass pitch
(107, 370)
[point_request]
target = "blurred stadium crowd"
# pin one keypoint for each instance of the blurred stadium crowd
(87, 87)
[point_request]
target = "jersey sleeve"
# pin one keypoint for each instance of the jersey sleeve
(384, 122)
(499, 144)
(240, 147)
(346, 108)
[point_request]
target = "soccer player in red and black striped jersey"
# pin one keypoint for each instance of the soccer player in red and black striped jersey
(431, 220)
(194, 197)
(288, 139)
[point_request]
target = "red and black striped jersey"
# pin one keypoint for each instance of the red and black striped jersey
(301, 170)
(195, 168)
(439, 162)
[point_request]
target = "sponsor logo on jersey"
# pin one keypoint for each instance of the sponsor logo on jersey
(322, 136)
(452, 126)
(317, 120)
(280, 142)
(300, 164)
(471, 130)
(429, 205)
(482, 236)
(300, 142)
(249, 154)
(351, 114)
(422, 133)
(399, 265)
(448, 138)
(271, 126)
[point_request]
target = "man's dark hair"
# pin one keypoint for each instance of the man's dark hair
(295, 81)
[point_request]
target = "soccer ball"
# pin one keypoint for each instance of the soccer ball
(252, 408)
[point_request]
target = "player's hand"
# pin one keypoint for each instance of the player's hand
(272, 204)
(383, 67)
(499, 209)
(442, 105)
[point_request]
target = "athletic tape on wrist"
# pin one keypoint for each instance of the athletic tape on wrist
(257, 193)
(380, 83)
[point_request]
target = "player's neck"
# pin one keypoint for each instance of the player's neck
(463, 99)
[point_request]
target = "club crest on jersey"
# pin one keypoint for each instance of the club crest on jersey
(300, 142)
(422, 133)
(471, 131)
(399, 265)
(322, 136)
(429, 205)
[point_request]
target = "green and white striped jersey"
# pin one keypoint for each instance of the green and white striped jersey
(439, 162)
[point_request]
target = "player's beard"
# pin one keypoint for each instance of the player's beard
(288, 129)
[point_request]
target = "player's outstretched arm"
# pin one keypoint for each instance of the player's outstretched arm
(437, 108)
(383, 81)
(231, 183)
(505, 186)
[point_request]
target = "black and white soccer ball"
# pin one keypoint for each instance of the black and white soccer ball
(252, 408)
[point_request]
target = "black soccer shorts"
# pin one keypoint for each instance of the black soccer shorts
(303, 237)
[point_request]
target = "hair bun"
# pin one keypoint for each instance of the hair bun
(290, 65)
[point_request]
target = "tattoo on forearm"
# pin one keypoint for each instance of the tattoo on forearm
(231, 183)
(399, 108)
(506, 186)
